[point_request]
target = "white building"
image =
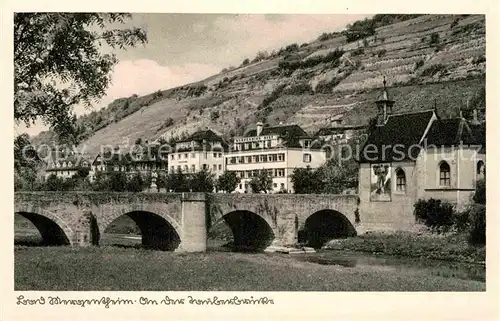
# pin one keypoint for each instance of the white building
(279, 150)
(202, 150)
(65, 166)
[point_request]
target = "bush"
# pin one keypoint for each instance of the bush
(298, 89)
(381, 53)
(477, 233)
(432, 70)
(419, 64)
(434, 39)
(480, 194)
(436, 214)
(358, 52)
(214, 115)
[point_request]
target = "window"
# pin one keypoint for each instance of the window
(185, 155)
(193, 168)
(178, 168)
(256, 159)
(178, 156)
(172, 156)
(444, 174)
(249, 159)
(400, 180)
(220, 167)
(307, 143)
(193, 155)
(275, 185)
(280, 172)
(205, 155)
(480, 169)
(233, 160)
(240, 186)
(282, 185)
(215, 167)
(281, 157)
(205, 167)
(307, 158)
(215, 155)
(185, 168)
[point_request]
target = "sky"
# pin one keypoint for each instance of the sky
(183, 48)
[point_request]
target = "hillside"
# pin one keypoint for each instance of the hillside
(429, 61)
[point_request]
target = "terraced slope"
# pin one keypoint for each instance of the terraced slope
(430, 61)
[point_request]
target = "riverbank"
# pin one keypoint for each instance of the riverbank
(129, 269)
(452, 247)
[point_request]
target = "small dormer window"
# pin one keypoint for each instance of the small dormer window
(307, 143)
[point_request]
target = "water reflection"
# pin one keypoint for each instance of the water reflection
(466, 271)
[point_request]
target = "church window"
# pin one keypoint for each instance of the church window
(400, 180)
(444, 174)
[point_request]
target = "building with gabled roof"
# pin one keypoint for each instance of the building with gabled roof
(275, 149)
(416, 155)
(204, 149)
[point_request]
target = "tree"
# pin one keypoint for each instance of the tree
(82, 172)
(306, 181)
(177, 182)
(54, 183)
(228, 181)
(202, 181)
(57, 64)
(117, 181)
(161, 181)
(263, 182)
(101, 182)
(136, 183)
(25, 154)
(245, 62)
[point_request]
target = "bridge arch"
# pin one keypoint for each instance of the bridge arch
(251, 232)
(324, 225)
(158, 231)
(52, 228)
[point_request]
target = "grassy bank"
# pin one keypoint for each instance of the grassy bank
(450, 247)
(120, 269)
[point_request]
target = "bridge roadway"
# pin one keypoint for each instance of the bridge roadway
(180, 221)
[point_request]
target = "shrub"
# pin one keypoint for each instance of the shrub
(381, 53)
(298, 89)
(245, 62)
(477, 233)
(436, 214)
(214, 115)
(480, 194)
(419, 64)
(479, 60)
(432, 70)
(434, 39)
(358, 52)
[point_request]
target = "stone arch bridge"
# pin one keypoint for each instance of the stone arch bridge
(180, 221)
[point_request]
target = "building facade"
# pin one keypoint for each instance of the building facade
(412, 156)
(278, 150)
(66, 166)
(141, 158)
(202, 150)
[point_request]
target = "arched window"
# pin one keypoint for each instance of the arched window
(480, 169)
(444, 174)
(400, 180)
